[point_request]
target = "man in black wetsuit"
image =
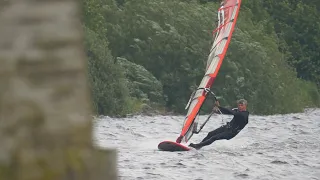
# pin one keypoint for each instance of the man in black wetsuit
(231, 129)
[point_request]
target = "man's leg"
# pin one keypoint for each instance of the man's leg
(214, 132)
(223, 135)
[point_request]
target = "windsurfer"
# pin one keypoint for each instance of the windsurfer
(231, 129)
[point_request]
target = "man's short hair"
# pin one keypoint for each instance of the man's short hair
(242, 101)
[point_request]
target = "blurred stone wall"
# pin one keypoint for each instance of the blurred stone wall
(45, 108)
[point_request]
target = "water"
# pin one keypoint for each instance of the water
(270, 147)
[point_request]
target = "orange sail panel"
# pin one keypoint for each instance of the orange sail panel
(227, 17)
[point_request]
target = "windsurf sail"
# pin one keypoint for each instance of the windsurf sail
(227, 17)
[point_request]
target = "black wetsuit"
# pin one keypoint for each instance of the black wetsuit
(228, 131)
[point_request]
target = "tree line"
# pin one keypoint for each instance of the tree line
(149, 55)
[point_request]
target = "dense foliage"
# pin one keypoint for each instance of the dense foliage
(152, 53)
(297, 25)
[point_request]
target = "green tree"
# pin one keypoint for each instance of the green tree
(167, 43)
(109, 89)
(296, 23)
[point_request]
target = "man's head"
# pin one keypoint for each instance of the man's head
(242, 104)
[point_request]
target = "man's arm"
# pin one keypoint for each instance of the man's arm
(222, 109)
(226, 110)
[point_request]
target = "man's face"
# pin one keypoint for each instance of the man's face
(242, 107)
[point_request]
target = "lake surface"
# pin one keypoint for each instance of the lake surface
(270, 147)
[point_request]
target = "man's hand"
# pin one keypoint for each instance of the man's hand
(217, 103)
(215, 107)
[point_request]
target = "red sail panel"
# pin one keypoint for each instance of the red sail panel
(227, 17)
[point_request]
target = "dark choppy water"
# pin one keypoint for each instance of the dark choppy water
(270, 147)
